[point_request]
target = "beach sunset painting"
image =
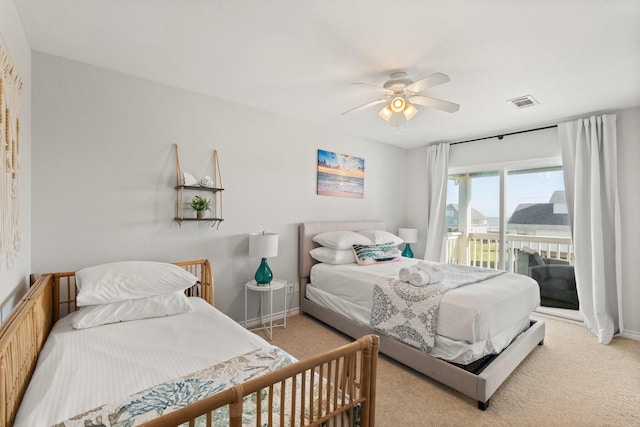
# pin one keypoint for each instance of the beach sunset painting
(340, 175)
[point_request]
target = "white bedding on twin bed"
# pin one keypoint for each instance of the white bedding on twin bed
(473, 320)
(132, 356)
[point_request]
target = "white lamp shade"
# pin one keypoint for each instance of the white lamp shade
(408, 235)
(397, 104)
(409, 111)
(386, 113)
(263, 245)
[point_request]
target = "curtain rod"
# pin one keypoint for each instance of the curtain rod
(500, 136)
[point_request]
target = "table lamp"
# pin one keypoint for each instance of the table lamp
(263, 245)
(408, 235)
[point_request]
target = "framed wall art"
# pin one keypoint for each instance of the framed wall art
(340, 175)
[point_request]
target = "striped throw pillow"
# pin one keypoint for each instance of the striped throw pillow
(375, 254)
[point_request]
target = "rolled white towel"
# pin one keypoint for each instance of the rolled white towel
(423, 265)
(419, 277)
(405, 272)
(436, 274)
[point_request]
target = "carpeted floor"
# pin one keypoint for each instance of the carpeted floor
(569, 381)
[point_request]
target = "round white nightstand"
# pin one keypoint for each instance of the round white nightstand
(275, 285)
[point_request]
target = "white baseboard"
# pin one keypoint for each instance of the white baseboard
(276, 317)
(293, 312)
(631, 334)
(570, 316)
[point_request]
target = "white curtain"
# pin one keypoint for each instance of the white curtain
(589, 156)
(437, 174)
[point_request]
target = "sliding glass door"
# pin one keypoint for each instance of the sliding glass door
(493, 215)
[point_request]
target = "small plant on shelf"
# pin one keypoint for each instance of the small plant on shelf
(200, 204)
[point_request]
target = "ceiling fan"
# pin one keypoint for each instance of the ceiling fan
(401, 93)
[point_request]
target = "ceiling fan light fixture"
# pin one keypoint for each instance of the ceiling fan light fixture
(409, 111)
(397, 104)
(386, 113)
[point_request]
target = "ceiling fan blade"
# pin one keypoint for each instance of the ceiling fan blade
(370, 86)
(426, 101)
(429, 81)
(367, 105)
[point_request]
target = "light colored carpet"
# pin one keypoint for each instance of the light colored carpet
(569, 381)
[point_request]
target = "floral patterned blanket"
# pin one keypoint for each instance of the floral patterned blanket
(177, 393)
(409, 313)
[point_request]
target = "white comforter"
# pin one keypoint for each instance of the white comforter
(132, 356)
(473, 320)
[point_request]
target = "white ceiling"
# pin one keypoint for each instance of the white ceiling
(297, 58)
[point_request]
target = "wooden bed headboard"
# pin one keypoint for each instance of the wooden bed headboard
(65, 290)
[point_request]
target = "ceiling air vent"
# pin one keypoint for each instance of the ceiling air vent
(523, 101)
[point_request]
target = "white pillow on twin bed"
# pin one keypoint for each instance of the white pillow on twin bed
(135, 309)
(333, 256)
(121, 281)
(340, 239)
(379, 237)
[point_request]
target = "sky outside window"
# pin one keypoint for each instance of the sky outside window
(527, 186)
(532, 186)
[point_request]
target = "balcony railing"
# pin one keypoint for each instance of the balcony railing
(483, 249)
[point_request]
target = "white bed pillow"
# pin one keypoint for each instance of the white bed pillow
(379, 237)
(333, 256)
(135, 309)
(340, 239)
(121, 281)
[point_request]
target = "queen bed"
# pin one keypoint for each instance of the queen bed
(195, 366)
(483, 331)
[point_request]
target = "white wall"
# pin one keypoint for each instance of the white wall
(628, 179)
(531, 149)
(104, 176)
(14, 282)
(523, 150)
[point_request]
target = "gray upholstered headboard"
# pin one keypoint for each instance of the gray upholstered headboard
(309, 229)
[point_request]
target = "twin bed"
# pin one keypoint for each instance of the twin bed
(197, 367)
(483, 331)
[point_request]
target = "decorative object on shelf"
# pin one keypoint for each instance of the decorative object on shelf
(200, 204)
(408, 235)
(187, 182)
(206, 181)
(263, 245)
(10, 90)
(340, 175)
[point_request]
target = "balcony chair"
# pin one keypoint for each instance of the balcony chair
(556, 279)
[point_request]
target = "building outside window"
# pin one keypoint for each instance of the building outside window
(498, 213)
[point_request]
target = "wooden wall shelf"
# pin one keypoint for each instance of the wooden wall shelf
(216, 190)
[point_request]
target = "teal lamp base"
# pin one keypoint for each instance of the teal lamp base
(407, 252)
(263, 273)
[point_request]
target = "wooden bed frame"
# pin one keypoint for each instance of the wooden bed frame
(480, 386)
(350, 368)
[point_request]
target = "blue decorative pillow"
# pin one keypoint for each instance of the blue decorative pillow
(376, 254)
